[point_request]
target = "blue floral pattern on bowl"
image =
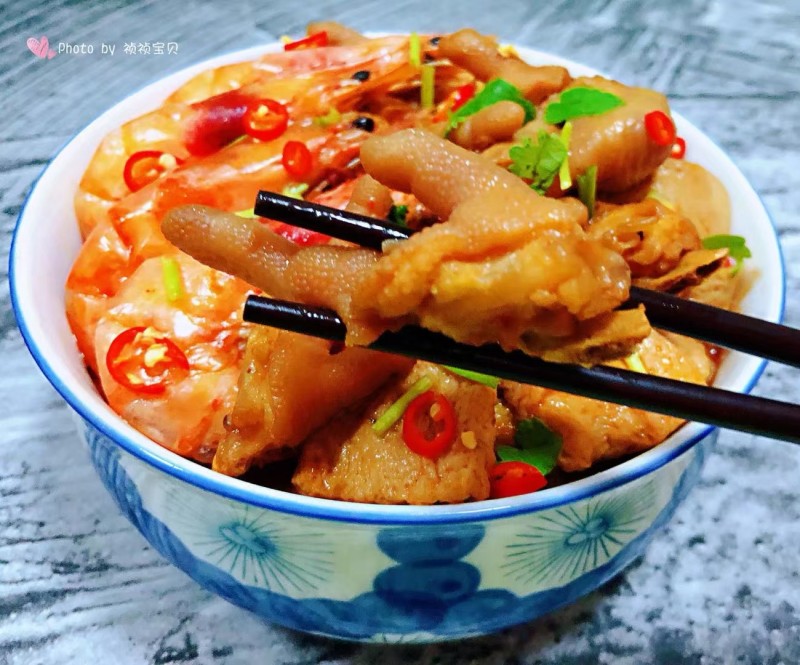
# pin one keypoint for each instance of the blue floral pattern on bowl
(394, 584)
(569, 542)
(251, 545)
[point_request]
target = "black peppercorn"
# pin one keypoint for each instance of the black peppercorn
(365, 123)
(361, 75)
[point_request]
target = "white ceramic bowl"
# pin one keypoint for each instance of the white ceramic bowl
(367, 572)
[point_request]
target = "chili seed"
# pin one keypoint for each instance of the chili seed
(361, 75)
(365, 123)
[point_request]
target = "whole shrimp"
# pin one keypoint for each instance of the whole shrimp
(117, 284)
(309, 83)
(204, 325)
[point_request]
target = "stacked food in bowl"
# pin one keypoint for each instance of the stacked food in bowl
(340, 489)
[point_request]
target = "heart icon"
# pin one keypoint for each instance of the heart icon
(40, 47)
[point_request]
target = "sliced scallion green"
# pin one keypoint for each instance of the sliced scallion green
(477, 377)
(330, 118)
(398, 408)
(564, 176)
(635, 364)
(295, 190)
(427, 74)
(657, 196)
(173, 282)
(587, 188)
(414, 50)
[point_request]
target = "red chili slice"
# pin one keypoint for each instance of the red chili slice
(217, 121)
(297, 159)
(462, 95)
(297, 235)
(317, 39)
(266, 120)
(142, 360)
(515, 478)
(145, 166)
(415, 432)
(660, 128)
(678, 148)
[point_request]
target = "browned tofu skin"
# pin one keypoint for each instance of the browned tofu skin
(649, 236)
(347, 460)
(594, 430)
(724, 287)
(695, 193)
(291, 384)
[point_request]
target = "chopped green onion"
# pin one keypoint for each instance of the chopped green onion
(296, 191)
(330, 118)
(564, 176)
(426, 90)
(635, 364)
(173, 282)
(247, 213)
(398, 408)
(477, 377)
(414, 50)
(656, 196)
(239, 139)
(398, 214)
(507, 51)
(587, 188)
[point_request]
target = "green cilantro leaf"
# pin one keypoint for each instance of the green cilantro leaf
(540, 161)
(587, 188)
(579, 102)
(477, 377)
(736, 246)
(536, 444)
(496, 90)
(397, 214)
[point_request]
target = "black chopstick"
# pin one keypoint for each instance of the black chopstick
(688, 401)
(666, 311)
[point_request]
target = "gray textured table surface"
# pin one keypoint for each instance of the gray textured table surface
(720, 585)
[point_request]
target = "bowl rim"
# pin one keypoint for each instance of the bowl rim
(146, 450)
